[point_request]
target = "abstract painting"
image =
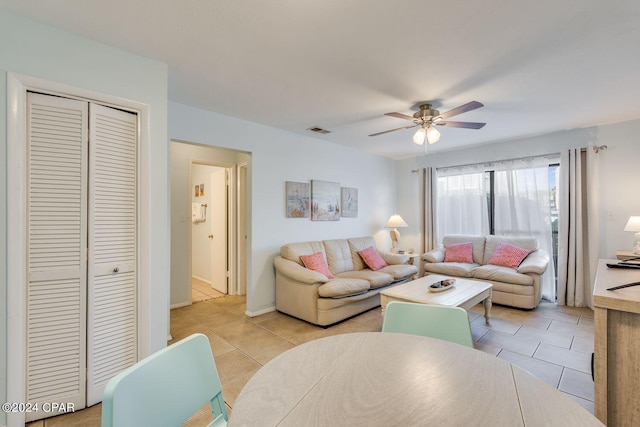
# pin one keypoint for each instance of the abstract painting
(297, 194)
(349, 205)
(325, 200)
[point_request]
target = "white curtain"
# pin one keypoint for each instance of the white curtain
(578, 227)
(522, 207)
(461, 202)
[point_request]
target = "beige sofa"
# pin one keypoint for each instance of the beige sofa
(311, 296)
(518, 287)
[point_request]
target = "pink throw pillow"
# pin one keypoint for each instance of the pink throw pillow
(317, 263)
(372, 258)
(460, 252)
(508, 255)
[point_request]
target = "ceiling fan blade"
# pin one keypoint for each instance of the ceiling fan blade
(400, 116)
(467, 125)
(393, 130)
(461, 109)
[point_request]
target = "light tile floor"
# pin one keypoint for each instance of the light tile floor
(553, 343)
(202, 291)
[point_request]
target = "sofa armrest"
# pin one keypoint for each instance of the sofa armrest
(435, 255)
(297, 272)
(536, 262)
(394, 259)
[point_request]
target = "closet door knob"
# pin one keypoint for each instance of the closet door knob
(210, 236)
(115, 270)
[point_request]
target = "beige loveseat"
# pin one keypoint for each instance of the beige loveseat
(311, 296)
(518, 287)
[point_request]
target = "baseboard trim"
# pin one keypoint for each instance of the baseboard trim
(258, 313)
(180, 304)
(201, 279)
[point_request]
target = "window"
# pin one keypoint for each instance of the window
(516, 197)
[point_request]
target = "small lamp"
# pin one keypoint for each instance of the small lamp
(394, 222)
(634, 225)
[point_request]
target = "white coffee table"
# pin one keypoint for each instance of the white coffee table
(465, 293)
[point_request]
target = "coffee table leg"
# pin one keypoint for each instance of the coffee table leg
(487, 309)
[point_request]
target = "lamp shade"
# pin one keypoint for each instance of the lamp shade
(419, 136)
(396, 221)
(433, 135)
(633, 224)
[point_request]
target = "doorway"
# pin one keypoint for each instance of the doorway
(84, 160)
(229, 201)
(211, 231)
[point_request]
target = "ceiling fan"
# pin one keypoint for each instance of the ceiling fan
(427, 118)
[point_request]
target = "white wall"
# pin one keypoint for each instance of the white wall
(619, 172)
(619, 192)
(279, 156)
(41, 51)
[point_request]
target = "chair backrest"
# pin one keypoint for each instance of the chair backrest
(445, 323)
(166, 388)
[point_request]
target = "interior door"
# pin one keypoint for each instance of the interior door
(56, 251)
(112, 280)
(218, 222)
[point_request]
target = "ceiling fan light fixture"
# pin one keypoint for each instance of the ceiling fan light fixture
(433, 135)
(419, 136)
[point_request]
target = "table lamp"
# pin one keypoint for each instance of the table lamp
(634, 225)
(394, 222)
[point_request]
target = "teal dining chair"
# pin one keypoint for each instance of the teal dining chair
(166, 388)
(435, 321)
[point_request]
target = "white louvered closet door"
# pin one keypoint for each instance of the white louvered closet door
(56, 244)
(112, 285)
(81, 238)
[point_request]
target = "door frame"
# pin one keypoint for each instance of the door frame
(231, 220)
(242, 233)
(17, 87)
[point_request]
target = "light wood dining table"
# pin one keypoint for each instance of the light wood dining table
(389, 379)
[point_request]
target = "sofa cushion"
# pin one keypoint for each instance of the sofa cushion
(536, 263)
(457, 269)
(317, 263)
(371, 257)
(393, 258)
(400, 271)
(338, 255)
(376, 279)
(292, 251)
(508, 255)
(434, 255)
(501, 274)
(357, 244)
(526, 242)
(476, 241)
(340, 288)
(459, 252)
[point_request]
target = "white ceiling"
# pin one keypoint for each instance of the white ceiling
(538, 66)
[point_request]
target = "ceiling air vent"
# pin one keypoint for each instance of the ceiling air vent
(317, 129)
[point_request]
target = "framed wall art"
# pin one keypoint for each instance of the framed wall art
(297, 195)
(349, 202)
(325, 200)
